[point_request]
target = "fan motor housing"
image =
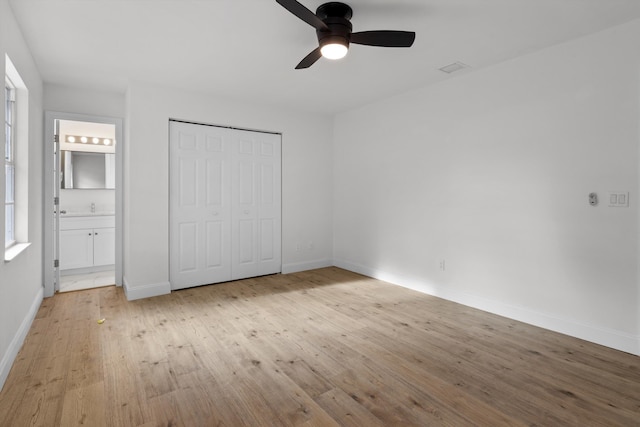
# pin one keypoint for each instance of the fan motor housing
(336, 15)
(334, 9)
(339, 32)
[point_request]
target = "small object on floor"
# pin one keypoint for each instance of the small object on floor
(101, 321)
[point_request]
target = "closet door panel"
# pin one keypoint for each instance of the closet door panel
(267, 238)
(188, 182)
(244, 206)
(256, 201)
(188, 250)
(268, 213)
(245, 186)
(245, 241)
(269, 193)
(215, 255)
(214, 182)
(200, 205)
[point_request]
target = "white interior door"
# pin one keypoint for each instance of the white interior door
(56, 208)
(200, 205)
(225, 215)
(255, 231)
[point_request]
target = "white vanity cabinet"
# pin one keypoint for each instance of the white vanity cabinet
(87, 241)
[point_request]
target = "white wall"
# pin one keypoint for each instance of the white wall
(78, 201)
(490, 172)
(66, 99)
(306, 182)
(21, 279)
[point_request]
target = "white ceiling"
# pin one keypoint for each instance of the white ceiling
(247, 49)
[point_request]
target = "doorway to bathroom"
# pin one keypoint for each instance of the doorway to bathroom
(82, 202)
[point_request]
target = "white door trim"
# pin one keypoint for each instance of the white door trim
(48, 226)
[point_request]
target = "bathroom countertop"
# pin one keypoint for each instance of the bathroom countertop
(97, 213)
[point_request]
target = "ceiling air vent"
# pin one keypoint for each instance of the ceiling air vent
(452, 68)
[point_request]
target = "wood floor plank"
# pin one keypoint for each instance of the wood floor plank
(516, 357)
(79, 409)
(201, 400)
(316, 348)
(384, 404)
(43, 398)
(345, 410)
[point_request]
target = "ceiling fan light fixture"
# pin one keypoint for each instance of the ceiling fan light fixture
(332, 22)
(334, 50)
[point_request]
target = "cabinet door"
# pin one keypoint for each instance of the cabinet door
(104, 246)
(76, 249)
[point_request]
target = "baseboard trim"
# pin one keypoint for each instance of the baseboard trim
(304, 266)
(16, 343)
(145, 291)
(607, 337)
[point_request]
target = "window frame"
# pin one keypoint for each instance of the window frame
(20, 184)
(10, 163)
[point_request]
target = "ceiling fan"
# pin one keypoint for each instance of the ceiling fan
(333, 28)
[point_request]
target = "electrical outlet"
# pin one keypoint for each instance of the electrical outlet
(442, 265)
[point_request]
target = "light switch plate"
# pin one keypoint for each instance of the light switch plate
(618, 199)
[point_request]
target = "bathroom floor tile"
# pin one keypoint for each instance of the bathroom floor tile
(87, 281)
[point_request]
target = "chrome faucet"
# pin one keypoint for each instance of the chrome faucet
(93, 207)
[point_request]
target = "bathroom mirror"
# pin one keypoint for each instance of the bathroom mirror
(87, 170)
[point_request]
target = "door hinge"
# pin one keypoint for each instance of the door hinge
(56, 263)
(56, 201)
(56, 138)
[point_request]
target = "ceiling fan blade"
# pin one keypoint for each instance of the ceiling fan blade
(303, 13)
(384, 38)
(310, 59)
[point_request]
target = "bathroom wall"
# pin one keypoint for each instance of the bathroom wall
(80, 200)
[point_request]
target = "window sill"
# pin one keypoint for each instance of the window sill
(13, 251)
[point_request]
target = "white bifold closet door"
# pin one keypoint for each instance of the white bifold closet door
(225, 204)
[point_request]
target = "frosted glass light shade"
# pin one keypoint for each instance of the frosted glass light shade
(334, 50)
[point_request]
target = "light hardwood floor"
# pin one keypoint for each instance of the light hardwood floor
(319, 348)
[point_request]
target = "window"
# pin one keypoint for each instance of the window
(16, 164)
(9, 165)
